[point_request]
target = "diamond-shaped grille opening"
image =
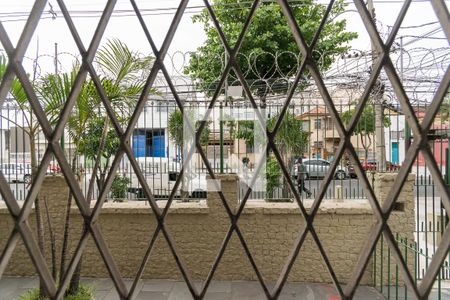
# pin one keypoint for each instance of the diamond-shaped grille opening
(85, 26)
(235, 250)
(387, 257)
(270, 255)
(15, 166)
(137, 243)
(15, 243)
(339, 228)
(308, 258)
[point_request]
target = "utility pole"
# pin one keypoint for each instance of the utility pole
(55, 61)
(379, 109)
(221, 121)
(407, 129)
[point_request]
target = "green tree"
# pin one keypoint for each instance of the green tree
(93, 137)
(290, 140)
(175, 127)
(55, 90)
(268, 36)
(273, 174)
(122, 73)
(246, 131)
(445, 109)
(365, 128)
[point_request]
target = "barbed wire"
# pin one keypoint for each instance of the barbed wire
(421, 70)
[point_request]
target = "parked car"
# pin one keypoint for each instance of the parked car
(318, 168)
(15, 172)
(53, 168)
(371, 165)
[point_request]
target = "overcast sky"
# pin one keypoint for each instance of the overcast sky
(159, 14)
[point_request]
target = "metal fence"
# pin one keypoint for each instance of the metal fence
(159, 155)
(389, 282)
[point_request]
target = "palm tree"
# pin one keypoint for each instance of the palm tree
(122, 74)
(54, 90)
(31, 128)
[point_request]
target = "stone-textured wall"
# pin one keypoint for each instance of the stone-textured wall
(198, 230)
(403, 223)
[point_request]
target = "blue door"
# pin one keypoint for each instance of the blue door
(139, 145)
(394, 153)
(158, 146)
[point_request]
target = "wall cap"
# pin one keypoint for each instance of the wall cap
(225, 177)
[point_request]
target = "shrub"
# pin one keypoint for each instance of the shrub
(84, 293)
(119, 187)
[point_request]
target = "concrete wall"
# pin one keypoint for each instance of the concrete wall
(198, 229)
(402, 229)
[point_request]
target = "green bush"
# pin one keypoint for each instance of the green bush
(119, 187)
(273, 175)
(84, 293)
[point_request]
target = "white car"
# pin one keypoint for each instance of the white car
(14, 172)
(318, 168)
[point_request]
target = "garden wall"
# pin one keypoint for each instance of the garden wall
(197, 230)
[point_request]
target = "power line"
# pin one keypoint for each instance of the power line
(168, 10)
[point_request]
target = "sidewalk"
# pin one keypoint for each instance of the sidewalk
(12, 287)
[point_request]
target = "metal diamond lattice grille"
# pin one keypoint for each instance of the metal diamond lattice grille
(53, 135)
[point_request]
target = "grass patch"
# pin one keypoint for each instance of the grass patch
(84, 293)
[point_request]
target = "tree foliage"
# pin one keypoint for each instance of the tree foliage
(365, 127)
(122, 74)
(246, 131)
(54, 90)
(445, 109)
(273, 174)
(267, 35)
(366, 123)
(290, 139)
(92, 137)
(175, 127)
